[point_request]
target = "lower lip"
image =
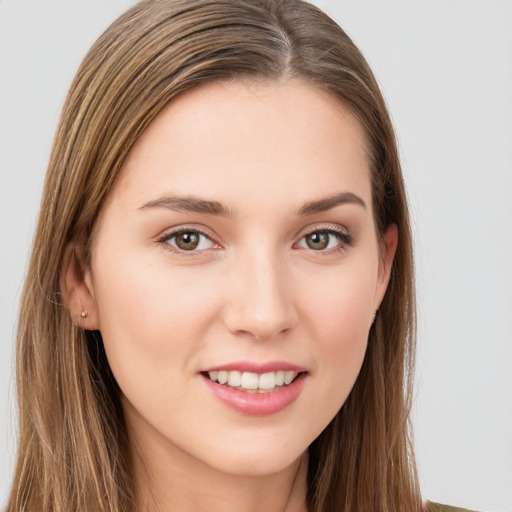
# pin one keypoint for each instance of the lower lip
(257, 404)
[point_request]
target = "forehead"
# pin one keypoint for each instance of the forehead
(238, 140)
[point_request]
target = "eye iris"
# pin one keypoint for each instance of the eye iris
(317, 240)
(187, 241)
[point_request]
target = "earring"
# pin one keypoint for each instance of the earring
(84, 314)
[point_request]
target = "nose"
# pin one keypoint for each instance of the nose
(260, 302)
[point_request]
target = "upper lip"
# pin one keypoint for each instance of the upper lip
(256, 367)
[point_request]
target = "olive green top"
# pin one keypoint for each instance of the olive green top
(436, 507)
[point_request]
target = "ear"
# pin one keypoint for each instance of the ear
(388, 247)
(77, 289)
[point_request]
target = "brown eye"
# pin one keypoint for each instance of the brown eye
(318, 240)
(325, 240)
(187, 241)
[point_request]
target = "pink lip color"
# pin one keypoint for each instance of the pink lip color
(257, 404)
(250, 366)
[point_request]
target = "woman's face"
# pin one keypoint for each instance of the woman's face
(238, 244)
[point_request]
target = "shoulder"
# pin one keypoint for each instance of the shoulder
(436, 507)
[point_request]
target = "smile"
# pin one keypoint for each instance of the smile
(253, 382)
(256, 389)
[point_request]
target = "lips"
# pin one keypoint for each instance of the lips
(256, 390)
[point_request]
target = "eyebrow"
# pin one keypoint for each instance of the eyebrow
(190, 204)
(197, 205)
(327, 203)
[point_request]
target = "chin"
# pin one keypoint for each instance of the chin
(253, 465)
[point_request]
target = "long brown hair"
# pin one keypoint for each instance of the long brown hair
(73, 452)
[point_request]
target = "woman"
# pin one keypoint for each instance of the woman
(219, 310)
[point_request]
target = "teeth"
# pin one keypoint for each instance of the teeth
(289, 376)
(253, 381)
(249, 380)
(267, 381)
(234, 379)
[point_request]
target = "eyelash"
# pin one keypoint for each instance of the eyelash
(164, 240)
(345, 239)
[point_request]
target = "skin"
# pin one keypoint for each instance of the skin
(254, 290)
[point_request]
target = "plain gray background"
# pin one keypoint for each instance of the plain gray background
(445, 67)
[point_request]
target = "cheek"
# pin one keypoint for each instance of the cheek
(148, 321)
(339, 322)
(340, 305)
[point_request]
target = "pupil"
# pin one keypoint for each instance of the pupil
(317, 240)
(187, 241)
